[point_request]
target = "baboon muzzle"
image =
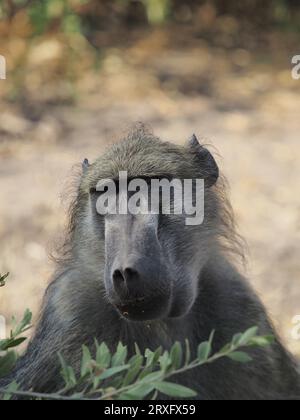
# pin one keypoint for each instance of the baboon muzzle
(135, 279)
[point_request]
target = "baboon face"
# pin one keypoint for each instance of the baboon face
(152, 262)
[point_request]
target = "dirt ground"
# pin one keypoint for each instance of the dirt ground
(246, 106)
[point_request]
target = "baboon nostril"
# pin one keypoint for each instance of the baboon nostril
(119, 283)
(127, 282)
(118, 277)
(131, 275)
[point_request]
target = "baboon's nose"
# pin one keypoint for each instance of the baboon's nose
(127, 282)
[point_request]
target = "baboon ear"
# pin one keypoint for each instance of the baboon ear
(85, 165)
(206, 161)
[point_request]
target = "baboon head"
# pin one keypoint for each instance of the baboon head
(149, 264)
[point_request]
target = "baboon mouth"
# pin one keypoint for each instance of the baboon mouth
(141, 309)
(126, 308)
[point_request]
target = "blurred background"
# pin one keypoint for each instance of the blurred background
(80, 71)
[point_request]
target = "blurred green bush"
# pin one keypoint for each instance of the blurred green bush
(87, 15)
(52, 45)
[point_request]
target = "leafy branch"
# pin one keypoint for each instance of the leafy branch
(108, 376)
(114, 376)
(16, 338)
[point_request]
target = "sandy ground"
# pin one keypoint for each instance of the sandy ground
(258, 148)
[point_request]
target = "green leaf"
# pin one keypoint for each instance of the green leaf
(225, 349)
(117, 381)
(137, 349)
(72, 377)
(135, 363)
(12, 387)
(108, 373)
(239, 356)
(67, 373)
(152, 358)
(211, 337)
(145, 372)
(86, 362)
(149, 356)
(7, 344)
(120, 356)
(187, 352)
(236, 339)
(262, 341)
(204, 351)
(7, 362)
(165, 361)
(96, 382)
(175, 390)
(138, 393)
(157, 354)
(103, 356)
(176, 355)
(247, 336)
(23, 325)
(151, 377)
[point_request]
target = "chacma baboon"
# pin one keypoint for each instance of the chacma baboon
(155, 280)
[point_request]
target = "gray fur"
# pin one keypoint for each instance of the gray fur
(196, 263)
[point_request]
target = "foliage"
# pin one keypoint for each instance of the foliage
(157, 10)
(54, 48)
(114, 376)
(9, 357)
(70, 13)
